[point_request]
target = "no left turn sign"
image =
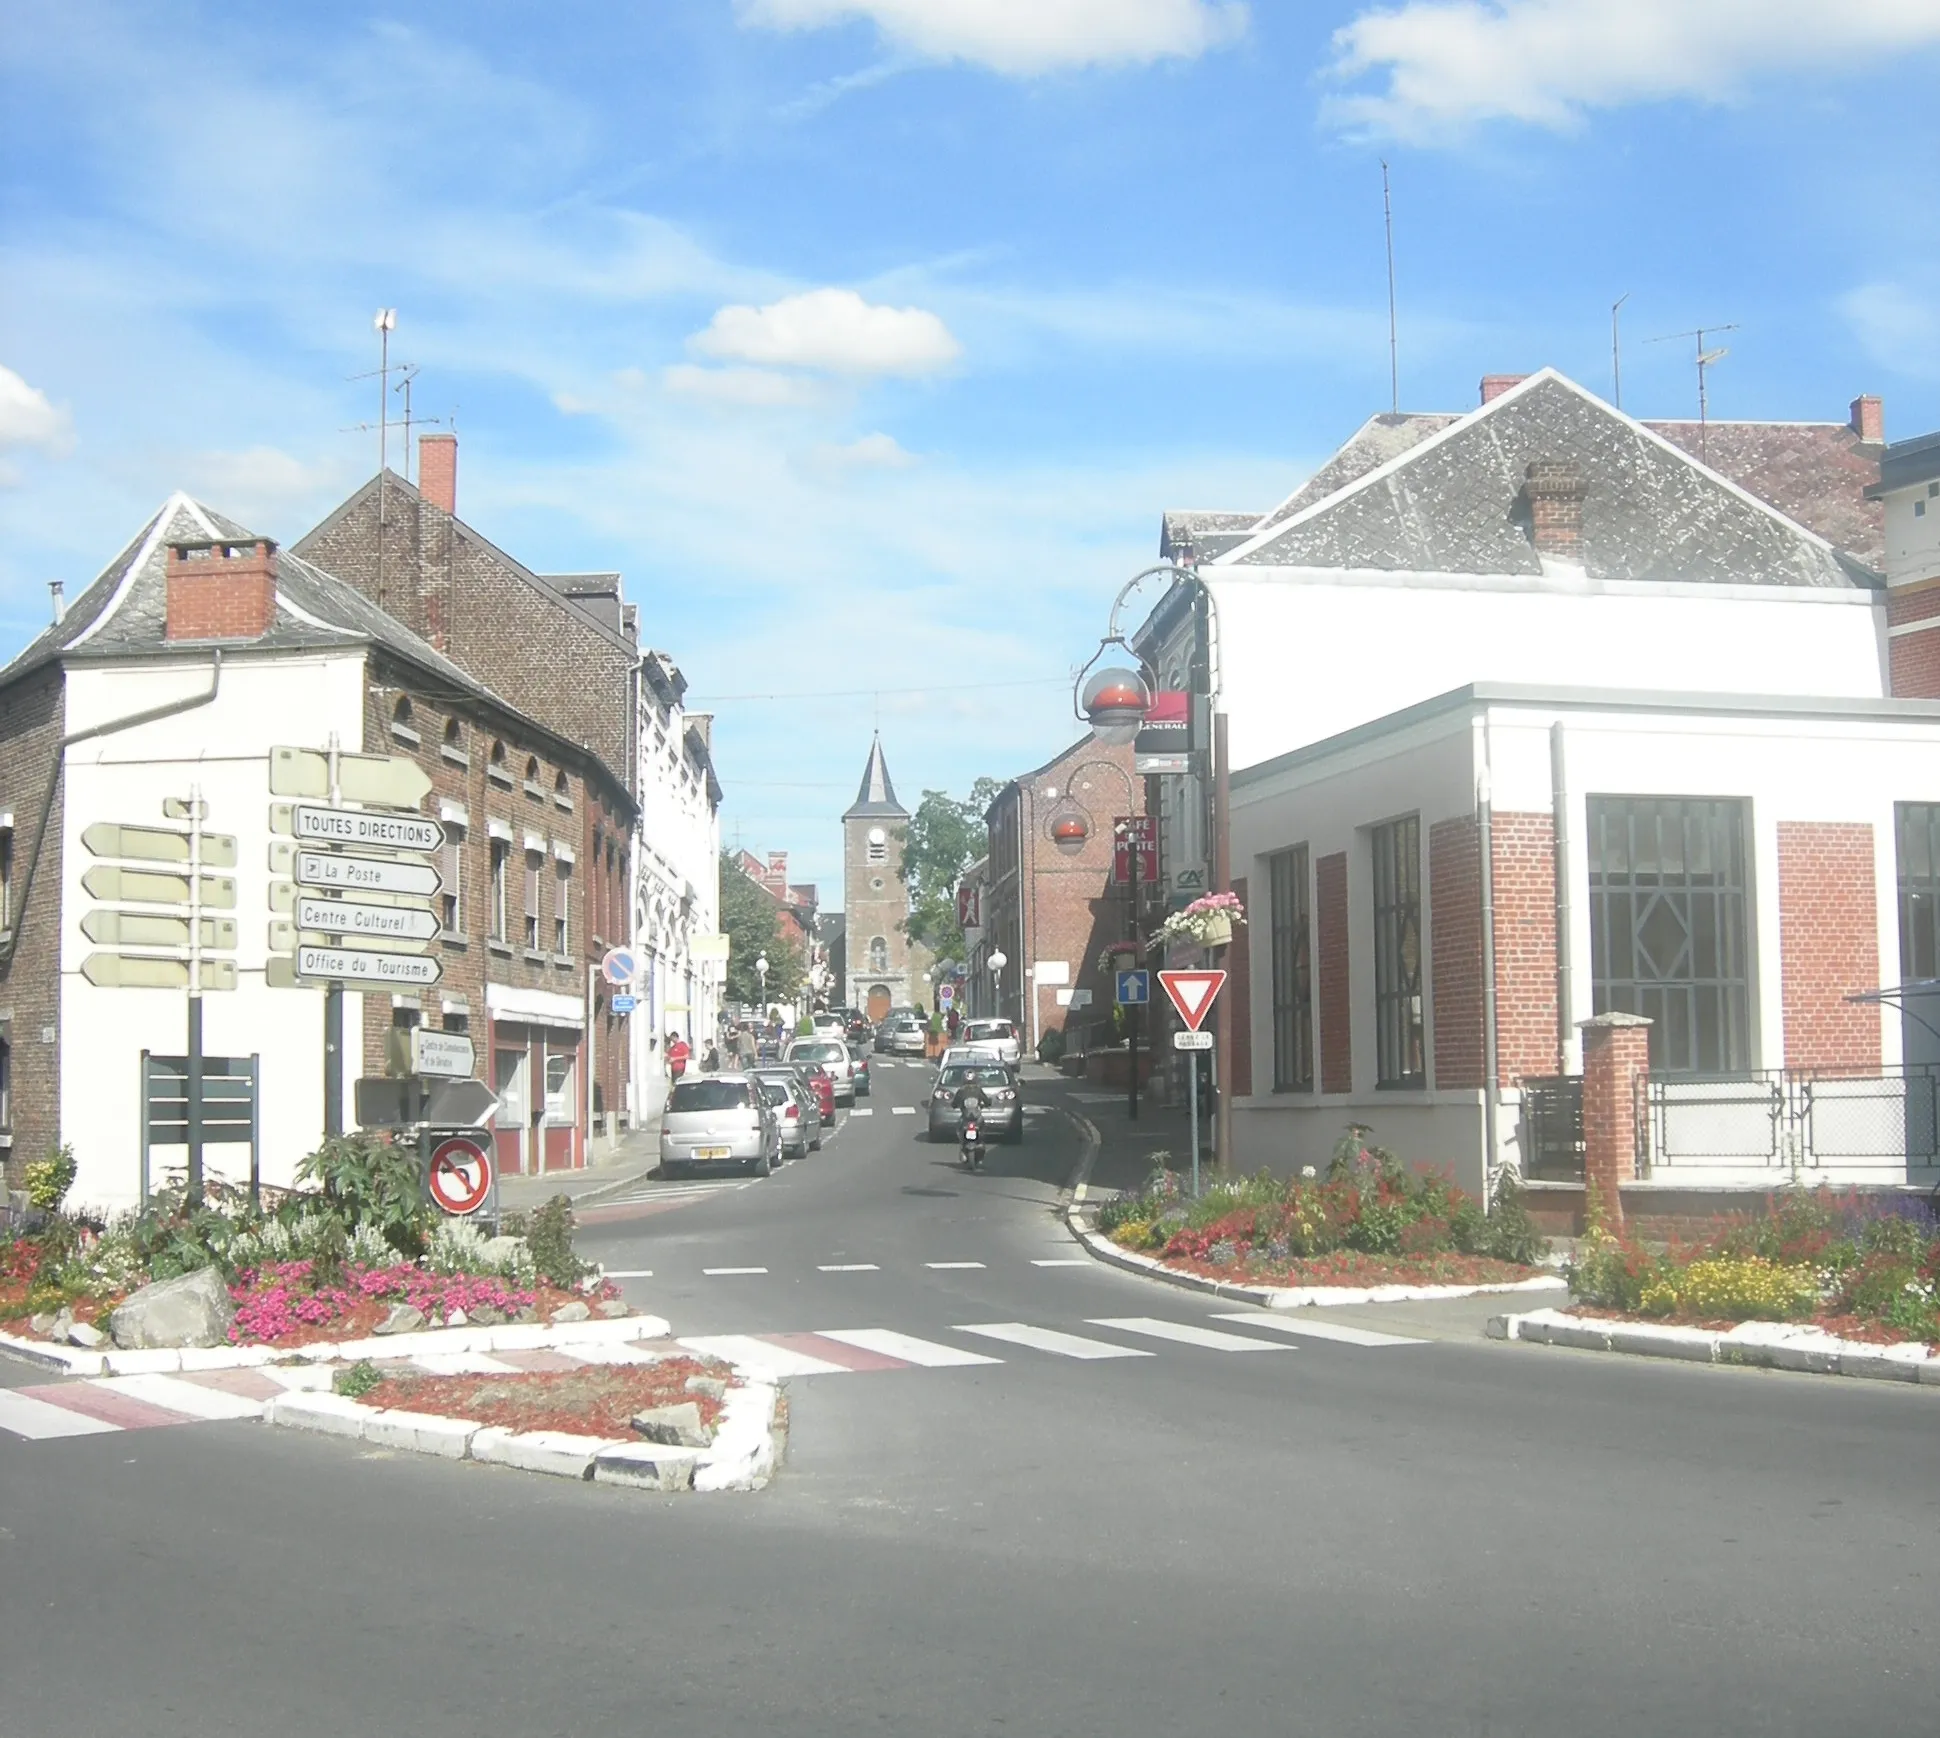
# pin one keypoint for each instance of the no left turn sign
(461, 1175)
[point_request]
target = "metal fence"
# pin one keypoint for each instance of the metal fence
(1552, 1128)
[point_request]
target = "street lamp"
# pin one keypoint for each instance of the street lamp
(997, 961)
(1113, 701)
(761, 972)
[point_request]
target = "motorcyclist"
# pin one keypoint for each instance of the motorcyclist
(969, 1106)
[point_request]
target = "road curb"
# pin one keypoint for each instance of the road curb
(742, 1456)
(1758, 1345)
(1282, 1297)
(1073, 1193)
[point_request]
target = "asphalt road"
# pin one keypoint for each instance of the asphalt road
(1454, 1537)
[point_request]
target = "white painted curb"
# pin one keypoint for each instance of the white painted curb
(1762, 1345)
(507, 1337)
(1293, 1297)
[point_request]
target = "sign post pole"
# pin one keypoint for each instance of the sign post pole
(1137, 851)
(195, 996)
(333, 1014)
(1192, 1115)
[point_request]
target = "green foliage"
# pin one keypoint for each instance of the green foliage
(48, 1180)
(548, 1233)
(1507, 1233)
(942, 839)
(368, 1181)
(805, 1027)
(752, 923)
(1050, 1047)
(358, 1380)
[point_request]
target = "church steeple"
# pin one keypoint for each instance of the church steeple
(877, 795)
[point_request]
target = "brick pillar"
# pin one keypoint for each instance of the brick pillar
(1616, 1061)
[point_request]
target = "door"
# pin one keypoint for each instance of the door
(878, 1007)
(511, 1080)
(561, 1107)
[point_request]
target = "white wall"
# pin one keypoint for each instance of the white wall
(223, 748)
(1912, 542)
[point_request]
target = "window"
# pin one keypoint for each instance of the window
(878, 953)
(1397, 954)
(6, 878)
(533, 862)
(1291, 940)
(1916, 827)
(501, 855)
(495, 768)
(562, 790)
(562, 909)
(451, 870)
(453, 748)
(401, 727)
(532, 777)
(1669, 926)
(878, 851)
(6, 1086)
(559, 1086)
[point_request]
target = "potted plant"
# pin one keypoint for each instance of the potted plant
(1206, 922)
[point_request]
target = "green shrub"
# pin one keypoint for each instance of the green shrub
(1508, 1233)
(374, 1182)
(48, 1180)
(1745, 1287)
(357, 1381)
(548, 1234)
(1050, 1048)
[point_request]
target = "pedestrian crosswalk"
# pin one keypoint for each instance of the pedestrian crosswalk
(108, 1403)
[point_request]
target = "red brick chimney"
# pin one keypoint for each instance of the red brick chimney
(1554, 491)
(218, 590)
(1869, 419)
(1495, 385)
(438, 470)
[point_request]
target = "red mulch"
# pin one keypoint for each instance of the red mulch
(1863, 1328)
(596, 1400)
(1352, 1267)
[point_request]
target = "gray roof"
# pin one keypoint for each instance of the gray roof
(1451, 502)
(1907, 462)
(1372, 445)
(877, 795)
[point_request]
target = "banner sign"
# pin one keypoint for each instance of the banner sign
(1138, 833)
(1164, 742)
(970, 906)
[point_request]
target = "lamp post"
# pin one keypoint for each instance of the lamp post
(761, 972)
(1113, 699)
(997, 961)
(1070, 830)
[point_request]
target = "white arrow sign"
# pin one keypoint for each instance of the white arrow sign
(361, 874)
(361, 778)
(344, 964)
(355, 917)
(357, 827)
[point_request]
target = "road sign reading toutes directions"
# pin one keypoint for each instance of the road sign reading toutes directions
(353, 874)
(1134, 989)
(317, 825)
(1193, 993)
(461, 1175)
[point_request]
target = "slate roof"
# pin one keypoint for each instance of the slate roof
(1451, 503)
(1907, 462)
(877, 795)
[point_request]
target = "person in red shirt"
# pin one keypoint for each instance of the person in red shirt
(678, 1051)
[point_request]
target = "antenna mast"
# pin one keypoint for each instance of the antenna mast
(1705, 359)
(1616, 350)
(1394, 353)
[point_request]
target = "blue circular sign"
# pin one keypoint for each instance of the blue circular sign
(619, 966)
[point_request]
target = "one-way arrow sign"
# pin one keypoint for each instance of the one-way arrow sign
(1193, 993)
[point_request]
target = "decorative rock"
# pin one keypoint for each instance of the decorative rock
(193, 1310)
(528, 1314)
(673, 1426)
(614, 1307)
(403, 1319)
(571, 1312)
(85, 1335)
(712, 1386)
(457, 1319)
(43, 1324)
(486, 1315)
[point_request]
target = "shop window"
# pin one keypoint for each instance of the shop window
(1670, 926)
(1916, 829)
(1291, 941)
(1398, 1051)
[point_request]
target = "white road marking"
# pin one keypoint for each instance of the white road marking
(1214, 1339)
(863, 1110)
(626, 1273)
(850, 1267)
(1050, 1340)
(463, 1364)
(905, 1346)
(723, 1272)
(1319, 1330)
(1063, 1261)
(949, 1266)
(191, 1399)
(756, 1354)
(903, 1109)
(36, 1420)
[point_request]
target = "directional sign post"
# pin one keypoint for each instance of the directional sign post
(1193, 994)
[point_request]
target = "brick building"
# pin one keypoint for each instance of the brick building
(1908, 491)
(1048, 899)
(198, 650)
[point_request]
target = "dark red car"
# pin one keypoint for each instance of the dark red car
(822, 1084)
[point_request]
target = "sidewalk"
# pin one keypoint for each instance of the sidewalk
(1125, 1147)
(637, 1153)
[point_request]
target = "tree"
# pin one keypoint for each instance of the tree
(943, 838)
(752, 923)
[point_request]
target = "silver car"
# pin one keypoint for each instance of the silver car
(833, 1055)
(796, 1109)
(907, 1037)
(719, 1119)
(999, 1037)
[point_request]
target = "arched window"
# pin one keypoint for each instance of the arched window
(454, 744)
(495, 767)
(401, 721)
(562, 790)
(532, 776)
(878, 953)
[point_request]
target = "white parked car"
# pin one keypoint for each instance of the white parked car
(718, 1119)
(833, 1054)
(994, 1037)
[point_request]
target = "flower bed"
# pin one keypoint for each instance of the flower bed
(600, 1400)
(285, 1305)
(1859, 1268)
(1368, 1222)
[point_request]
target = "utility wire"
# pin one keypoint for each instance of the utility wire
(692, 700)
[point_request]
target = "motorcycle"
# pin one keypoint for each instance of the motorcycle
(970, 1138)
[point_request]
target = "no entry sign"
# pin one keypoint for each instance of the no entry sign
(461, 1175)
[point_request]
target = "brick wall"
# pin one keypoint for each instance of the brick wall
(220, 592)
(1828, 924)
(1525, 946)
(1336, 1035)
(1455, 954)
(1236, 1000)
(1914, 658)
(31, 718)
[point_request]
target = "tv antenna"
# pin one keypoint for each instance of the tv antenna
(1394, 352)
(1616, 350)
(1705, 360)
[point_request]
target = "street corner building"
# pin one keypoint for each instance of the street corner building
(1546, 721)
(197, 654)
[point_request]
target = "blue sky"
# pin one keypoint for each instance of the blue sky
(869, 338)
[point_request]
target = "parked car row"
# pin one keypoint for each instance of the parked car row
(754, 1120)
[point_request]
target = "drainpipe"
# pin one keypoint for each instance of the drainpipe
(1491, 1094)
(150, 715)
(1569, 1045)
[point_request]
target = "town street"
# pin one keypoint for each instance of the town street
(1280, 1532)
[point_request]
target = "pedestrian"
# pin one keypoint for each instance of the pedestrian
(744, 1046)
(711, 1062)
(678, 1052)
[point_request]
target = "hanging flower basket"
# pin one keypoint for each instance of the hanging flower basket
(1206, 922)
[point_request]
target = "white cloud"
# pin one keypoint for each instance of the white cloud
(27, 419)
(873, 452)
(1450, 63)
(830, 329)
(1898, 327)
(1024, 36)
(263, 485)
(751, 388)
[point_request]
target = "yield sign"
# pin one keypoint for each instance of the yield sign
(1193, 993)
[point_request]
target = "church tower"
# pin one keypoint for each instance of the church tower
(873, 899)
